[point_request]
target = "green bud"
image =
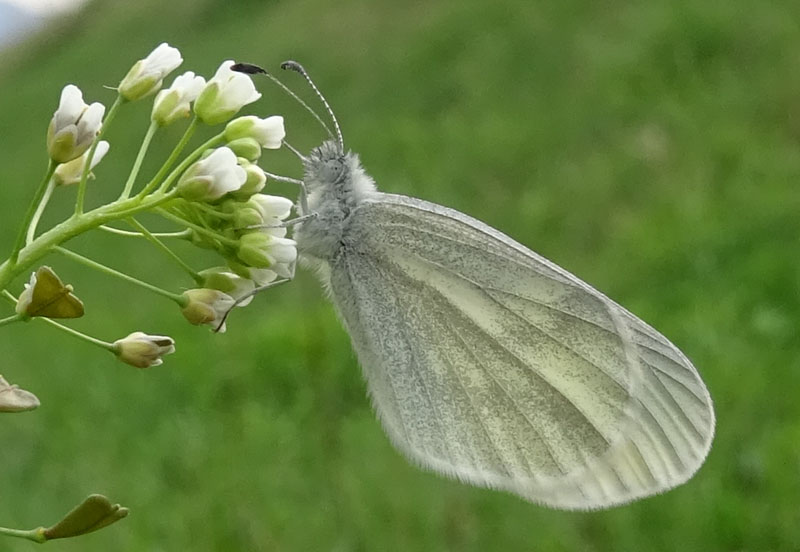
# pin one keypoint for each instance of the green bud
(222, 279)
(248, 148)
(90, 515)
(252, 249)
(247, 216)
(207, 306)
(135, 86)
(146, 75)
(61, 146)
(255, 182)
(166, 107)
(237, 267)
(209, 107)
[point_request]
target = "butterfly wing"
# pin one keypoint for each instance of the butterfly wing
(488, 363)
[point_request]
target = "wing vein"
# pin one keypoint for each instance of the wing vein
(661, 370)
(677, 407)
(522, 363)
(510, 398)
(530, 325)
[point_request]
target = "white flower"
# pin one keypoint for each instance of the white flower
(259, 276)
(222, 279)
(263, 250)
(272, 207)
(142, 350)
(213, 177)
(225, 95)
(207, 306)
(174, 102)
(70, 172)
(269, 132)
(14, 399)
(147, 75)
(74, 125)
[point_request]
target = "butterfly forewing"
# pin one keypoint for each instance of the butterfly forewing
(489, 363)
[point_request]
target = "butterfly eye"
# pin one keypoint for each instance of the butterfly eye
(332, 170)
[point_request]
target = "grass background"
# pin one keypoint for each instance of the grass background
(651, 147)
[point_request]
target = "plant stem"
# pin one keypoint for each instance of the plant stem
(51, 185)
(137, 165)
(35, 535)
(196, 227)
(73, 226)
(75, 333)
(11, 319)
(179, 299)
(163, 247)
(80, 335)
(191, 158)
(37, 198)
(173, 157)
(111, 230)
(87, 167)
(209, 209)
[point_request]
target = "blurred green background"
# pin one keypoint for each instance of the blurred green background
(650, 147)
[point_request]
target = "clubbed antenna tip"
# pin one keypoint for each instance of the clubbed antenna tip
(248, 68)
(297, 68)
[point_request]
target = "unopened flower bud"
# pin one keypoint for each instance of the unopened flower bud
(246, 148)
(269, 132)
(262, 250)
(255, 182)
(224, 95)
(74, 125)
(147, 75)
(246, 216)
(175, 102)
(71, 172)
(142, 350)
(211, 178)
(207, 306)
(224, 280)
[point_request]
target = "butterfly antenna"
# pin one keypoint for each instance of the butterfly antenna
(251, 69)
(297, 68)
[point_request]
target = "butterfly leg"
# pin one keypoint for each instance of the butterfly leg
(300, 183)
(248, 295)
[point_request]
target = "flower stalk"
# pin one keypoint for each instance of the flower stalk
(137, 164)
(121, 275)
(37, 198)
(211, 192)
(88, 166)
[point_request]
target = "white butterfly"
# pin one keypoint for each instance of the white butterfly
(488, 363)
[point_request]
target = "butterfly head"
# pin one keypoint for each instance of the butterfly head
(328, 165)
